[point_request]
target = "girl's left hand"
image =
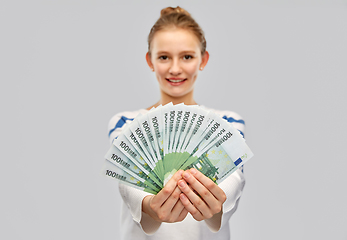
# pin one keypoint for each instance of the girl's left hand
(201, 196)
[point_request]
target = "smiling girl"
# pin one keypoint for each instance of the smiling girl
(190, 206)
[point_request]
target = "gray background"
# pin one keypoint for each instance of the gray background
(68, 66)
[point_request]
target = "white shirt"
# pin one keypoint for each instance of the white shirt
(189, 228)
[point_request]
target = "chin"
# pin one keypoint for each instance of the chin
(178, 94)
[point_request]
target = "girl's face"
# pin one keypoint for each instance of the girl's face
(176, 59)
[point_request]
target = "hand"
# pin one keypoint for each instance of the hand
(201, 196)
(166, 205)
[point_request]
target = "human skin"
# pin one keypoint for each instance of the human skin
(166, 205)
(176, 59)
(187, 191)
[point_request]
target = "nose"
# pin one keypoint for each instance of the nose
(175, 68)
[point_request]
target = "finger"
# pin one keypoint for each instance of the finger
(195, 200)
(165, 193)
(213, 188)
(201, 190)
(190, 208)
(176, 210)
(165, 212)
(182, 215)
(171, 201)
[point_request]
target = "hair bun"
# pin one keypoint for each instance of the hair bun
(169, 10)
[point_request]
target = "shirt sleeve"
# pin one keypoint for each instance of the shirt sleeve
(232, 187)
(117, 123)
(132, 197)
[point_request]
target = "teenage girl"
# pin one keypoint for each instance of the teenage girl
(190, 206)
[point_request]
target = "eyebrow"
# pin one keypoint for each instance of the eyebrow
(161, 52)
(183, 52)
(188, 52)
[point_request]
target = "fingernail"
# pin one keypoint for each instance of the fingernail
(183, 197)
(193, 171)
(186, 175)
(181, 183)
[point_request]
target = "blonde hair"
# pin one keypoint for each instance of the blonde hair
(177, 17)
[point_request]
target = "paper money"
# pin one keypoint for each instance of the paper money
(120, 160)
(135, 154)
(111, 171)
(155, 145)
(221, 157)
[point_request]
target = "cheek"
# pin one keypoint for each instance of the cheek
(159, 77)
(193, 69)
(161, 71)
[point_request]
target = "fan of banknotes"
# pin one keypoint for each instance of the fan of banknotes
(155, 145)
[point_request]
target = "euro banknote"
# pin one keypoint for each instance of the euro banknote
(167, 138)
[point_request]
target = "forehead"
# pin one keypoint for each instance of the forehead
(175, 40)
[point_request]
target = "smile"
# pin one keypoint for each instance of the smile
(176, 80)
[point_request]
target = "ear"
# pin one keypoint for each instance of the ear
(204, 60)
(149, 61)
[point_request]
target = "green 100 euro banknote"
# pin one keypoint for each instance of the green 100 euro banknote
(152, 147)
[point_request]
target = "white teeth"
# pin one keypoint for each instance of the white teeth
(175, 81)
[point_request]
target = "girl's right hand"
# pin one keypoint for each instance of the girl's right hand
(166, 205)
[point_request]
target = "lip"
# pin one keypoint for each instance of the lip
(175, 80)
